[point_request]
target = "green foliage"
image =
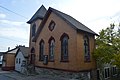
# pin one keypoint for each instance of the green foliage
(108, 46)
(117, 60)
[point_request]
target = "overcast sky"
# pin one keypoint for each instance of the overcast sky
(95, 14)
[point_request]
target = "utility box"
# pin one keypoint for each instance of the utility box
(45, 61)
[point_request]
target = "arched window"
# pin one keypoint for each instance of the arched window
(32, 50)
(51, 48)
(33, 29)
(41, 50)
(86, 48)
(64, 47)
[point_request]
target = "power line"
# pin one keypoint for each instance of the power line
(13, 12)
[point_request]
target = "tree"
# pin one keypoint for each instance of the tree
(108, 46)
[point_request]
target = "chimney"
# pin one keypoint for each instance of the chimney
(8, 48)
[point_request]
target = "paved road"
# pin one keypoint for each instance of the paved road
(3, 77)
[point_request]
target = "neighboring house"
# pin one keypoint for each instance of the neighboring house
(107, 72)
(58, 41)
(1, 58)
(21, 59)
(9, 59)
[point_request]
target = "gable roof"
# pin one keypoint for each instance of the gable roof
(70, 20)
(39, 14)
(24, 50)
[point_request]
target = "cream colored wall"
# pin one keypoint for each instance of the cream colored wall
(76, 53)
(32, 44)
(10, 60)
(60, 28)
(82, 65)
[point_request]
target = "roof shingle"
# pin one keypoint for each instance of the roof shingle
(73, 21)
(39, 14)
(24, 50)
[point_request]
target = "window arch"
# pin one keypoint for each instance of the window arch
(64, 47)
(86, 48)
(41, 50)
(32, 50)
(33, 29)
(51, 48)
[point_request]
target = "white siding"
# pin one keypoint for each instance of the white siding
(3, 64)
(18, 63)
(1, 58)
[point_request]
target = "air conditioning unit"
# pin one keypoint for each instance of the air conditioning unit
(45, 61)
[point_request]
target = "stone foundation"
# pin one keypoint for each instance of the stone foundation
(86, 75)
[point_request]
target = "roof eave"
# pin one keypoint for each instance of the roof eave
(88, 32)
(30, 21)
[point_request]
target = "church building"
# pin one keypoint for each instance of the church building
(58, 41)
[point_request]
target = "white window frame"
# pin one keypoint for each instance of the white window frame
(112, 70)
(99, 73)
(16, 60)
(107, 72)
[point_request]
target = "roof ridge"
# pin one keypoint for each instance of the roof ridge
(73, 21)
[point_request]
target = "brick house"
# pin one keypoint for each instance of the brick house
(58, 41)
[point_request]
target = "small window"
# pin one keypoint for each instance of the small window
(51, 25)
(16, 60)
(98, 74)
(106, 72)
(19, 60)
(32, 50)
(114, 71)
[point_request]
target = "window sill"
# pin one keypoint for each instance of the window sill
(107, 78)
(114, 75)
(40, 60)
(64, 61)
(87, 61)
(51, 60)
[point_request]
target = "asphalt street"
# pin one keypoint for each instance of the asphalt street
(3, 77)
